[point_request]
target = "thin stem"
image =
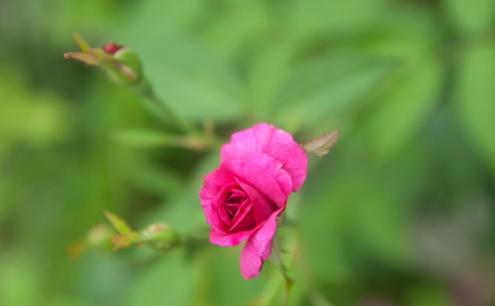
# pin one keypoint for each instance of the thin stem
(160, 108)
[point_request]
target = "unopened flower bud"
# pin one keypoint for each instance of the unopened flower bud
(121, 65)
(159, 236)
(111, 48)
(99, 235)
(127, 68)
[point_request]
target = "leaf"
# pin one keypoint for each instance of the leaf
(321, 16)
(160, 20)
(268, 71)
(403, 107)
(329, 84)
(88, 17)
(321, 145)
(232, 24)
(83, 45)
(126, 235)
(475, 98)
(86, 58)
(195, 81)
(118, 223)
(355, 211)
(471, 16)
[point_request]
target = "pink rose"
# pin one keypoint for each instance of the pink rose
(260, 167)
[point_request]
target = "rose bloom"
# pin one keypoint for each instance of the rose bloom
(260, 167)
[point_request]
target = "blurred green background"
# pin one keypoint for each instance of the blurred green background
(400, 213)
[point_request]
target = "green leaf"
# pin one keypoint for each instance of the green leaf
(233, 23)
(267, 73)
(118, 223)
(195, 82)
(471, 16)
(354, 211)
(317, 16)
(61, 18)
(326, 85)
(404, 105)
(475, 98)
(83, 45)
(159, 19)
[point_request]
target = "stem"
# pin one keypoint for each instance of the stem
(158, 107)
(314, 293)
(277, 260)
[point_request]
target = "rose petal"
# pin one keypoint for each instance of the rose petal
(262, 208)
(242, 220)
(274, 142)
(213, 186)
(264, 173)
(219, 209)
(227, 240)
(258, 247)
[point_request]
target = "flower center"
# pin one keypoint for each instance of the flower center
(235, 198)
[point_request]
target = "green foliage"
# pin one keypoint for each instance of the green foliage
(326, 86)
(475, 97)
(168, 282)
(398, 213)
(118, 224)
(471, 16)
(404, 106)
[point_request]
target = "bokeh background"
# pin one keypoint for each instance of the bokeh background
(400, 213)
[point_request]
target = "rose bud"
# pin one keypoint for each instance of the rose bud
(242, 199)
(121, 64)
(111, 48)
(124, 67)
